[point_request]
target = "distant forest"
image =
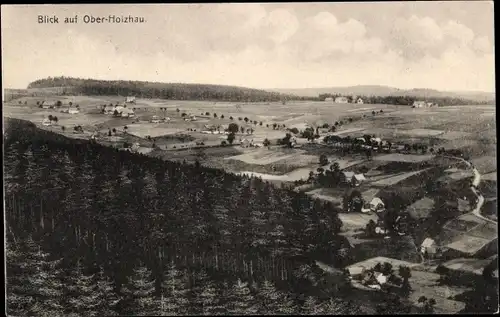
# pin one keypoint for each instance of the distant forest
(178, 91)
(89, 225)
(174, 91)
(408, 100)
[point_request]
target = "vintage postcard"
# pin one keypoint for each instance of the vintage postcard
(250, 158)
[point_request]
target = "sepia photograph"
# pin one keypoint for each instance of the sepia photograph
(305, 158)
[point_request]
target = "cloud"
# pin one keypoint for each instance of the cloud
(258, 45)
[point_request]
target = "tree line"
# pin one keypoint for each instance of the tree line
(409, 100)
(174, 91)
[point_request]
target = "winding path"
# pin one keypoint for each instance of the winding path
(477, 179)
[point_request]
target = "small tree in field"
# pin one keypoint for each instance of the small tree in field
(233, 128)
(230, 138)
(323, 160)
(266, 142)
(114, 131)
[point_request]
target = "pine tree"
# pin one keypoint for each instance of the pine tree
(17, 301)
(241, 301)
(139, 293)
(174, 293)
(311, 306)
(274, 301)
(107, 298)
(41, 289)
(206, 295)
(81, 293)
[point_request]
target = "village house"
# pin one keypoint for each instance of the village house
(166, 119)
(73, 110)
(127, 113)
(359, 101)
(329, 99)
(155, 119)
(341, 100)
(46, 122)
(130, 99)
(245, 143)
(192, 117)
(48, 104)
(428, 248)
(419, 104)
(352, 178)
(109, 109)
(118, 109)
(377, 205)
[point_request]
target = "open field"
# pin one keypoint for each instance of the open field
(264, 156)
(395, 179)
(396, 157)
(154, 130)
(490, 176)
(467, 128)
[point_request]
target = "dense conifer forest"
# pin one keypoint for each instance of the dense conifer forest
(92, 231)
(174, 91)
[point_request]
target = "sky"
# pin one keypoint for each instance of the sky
(438, 45)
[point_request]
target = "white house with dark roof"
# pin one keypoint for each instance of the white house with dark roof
(377, 205)
(127, 113)
(130, 99)
(73, 110)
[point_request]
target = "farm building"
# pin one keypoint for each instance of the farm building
(118, 109)
(73, 110)
(341, 100)
(192, 117)
(468, 236)
(48, 104)
(109, 109)
(376, 140)
(421, 208)
(352, 178)
(419, 104)
(423, 283)
(329, 99)
(166, 119)
(428, 247)
(377, 205)
(130, 99)
(46, 122)
(155, 119)
(359, 101)
(245, 143)
(127, 113)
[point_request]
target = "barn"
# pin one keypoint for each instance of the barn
(341, 100)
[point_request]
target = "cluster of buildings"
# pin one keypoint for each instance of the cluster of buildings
(118, 110)
(245, 143)
(423, 104)
(343, 99)
(157, 119)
